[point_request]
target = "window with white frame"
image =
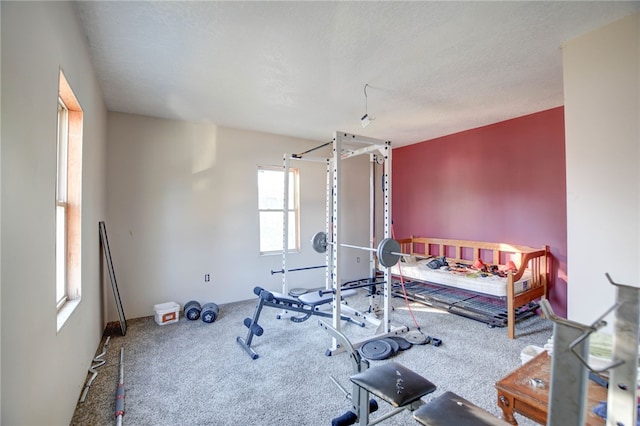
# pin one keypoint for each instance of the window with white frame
(68, 232)
(271, 196)
(61, 204)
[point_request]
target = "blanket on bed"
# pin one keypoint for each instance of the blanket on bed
(477, 277)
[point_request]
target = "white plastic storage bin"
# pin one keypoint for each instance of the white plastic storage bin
(167, 313)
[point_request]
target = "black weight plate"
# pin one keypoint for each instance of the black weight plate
(376, 350)
(319, 242)
(403, 344)
(416, 337)
(386, 251)
(395, 347)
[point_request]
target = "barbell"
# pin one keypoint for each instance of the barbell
(281, 271)
(388, 251)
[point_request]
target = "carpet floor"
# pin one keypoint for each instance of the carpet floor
(195, 373)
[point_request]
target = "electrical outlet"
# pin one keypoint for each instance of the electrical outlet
(358, 259)
(207, 278)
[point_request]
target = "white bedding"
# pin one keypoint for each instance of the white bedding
(492, 284)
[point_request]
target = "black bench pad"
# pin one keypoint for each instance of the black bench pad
(394, 383)
(451, 409)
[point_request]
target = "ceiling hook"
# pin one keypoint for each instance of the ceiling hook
(366, 111)
(365, 119)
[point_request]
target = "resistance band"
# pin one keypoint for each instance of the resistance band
(404, 291)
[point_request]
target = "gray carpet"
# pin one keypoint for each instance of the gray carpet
(194, 373)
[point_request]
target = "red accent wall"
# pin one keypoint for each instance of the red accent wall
(503, 183)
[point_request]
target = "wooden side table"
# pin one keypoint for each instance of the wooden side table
(526, 391)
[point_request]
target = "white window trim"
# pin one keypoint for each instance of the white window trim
(65, 311)
(62, 152)
(295, 182)
(68, 196)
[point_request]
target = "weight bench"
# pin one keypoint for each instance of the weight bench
(403, 389)
(392, 382)
(452, 409)
(307, 304)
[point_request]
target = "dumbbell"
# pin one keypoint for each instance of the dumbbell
(209, 312)
(192, 310)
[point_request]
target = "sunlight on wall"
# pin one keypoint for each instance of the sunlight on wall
(204, 148)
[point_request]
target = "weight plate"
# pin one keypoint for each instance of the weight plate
(416, 337)
(395, 347)
(319, 242)
(376, 350)
(403, 344)
(386, 250)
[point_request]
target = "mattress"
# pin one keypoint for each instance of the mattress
(489, 284)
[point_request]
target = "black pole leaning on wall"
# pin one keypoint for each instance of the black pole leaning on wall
(104, 241)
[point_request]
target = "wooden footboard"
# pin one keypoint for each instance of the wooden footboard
(464, 251)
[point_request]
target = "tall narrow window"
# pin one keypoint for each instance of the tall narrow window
(271, 209)
(68, 202)
(61, 204)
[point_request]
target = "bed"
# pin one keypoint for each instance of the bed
(496, 283)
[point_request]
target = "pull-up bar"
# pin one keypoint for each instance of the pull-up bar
(311, 150)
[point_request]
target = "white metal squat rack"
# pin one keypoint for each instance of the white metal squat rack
(344, 146)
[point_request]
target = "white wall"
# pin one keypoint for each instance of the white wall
(43, 371)
(602, 111)
(182, 202)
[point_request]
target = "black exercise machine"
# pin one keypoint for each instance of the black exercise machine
(307, 304)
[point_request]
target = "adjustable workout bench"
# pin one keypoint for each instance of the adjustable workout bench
(308, 304)
(403, 389)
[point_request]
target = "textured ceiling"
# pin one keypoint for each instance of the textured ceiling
(299, 68)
